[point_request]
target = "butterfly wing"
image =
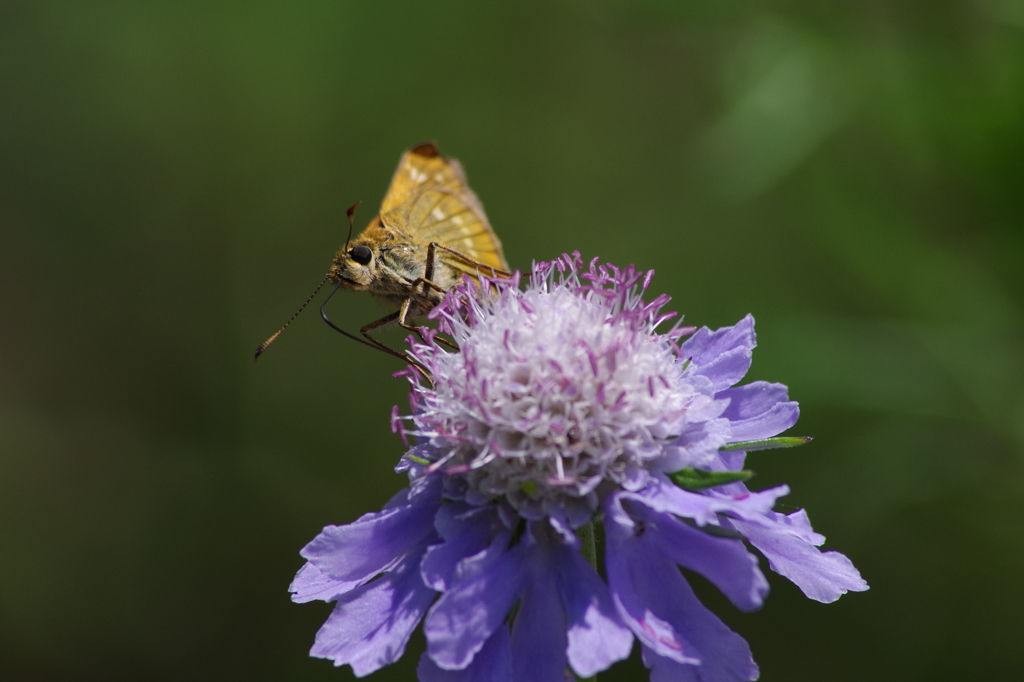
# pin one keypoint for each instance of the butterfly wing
(430, 201)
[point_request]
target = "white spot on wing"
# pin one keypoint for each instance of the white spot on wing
(457, 219)
(438, 214)
(417, 176)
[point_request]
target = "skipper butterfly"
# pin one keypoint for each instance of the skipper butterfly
(430, 231)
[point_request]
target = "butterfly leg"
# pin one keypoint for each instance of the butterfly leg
(384, 322)
(481, 267)
(377, 324)
(403, 315)
(426, 282)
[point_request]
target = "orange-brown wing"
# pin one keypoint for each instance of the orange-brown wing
(429, 201)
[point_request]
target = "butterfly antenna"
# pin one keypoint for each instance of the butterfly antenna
(350, 212)
(263, 346)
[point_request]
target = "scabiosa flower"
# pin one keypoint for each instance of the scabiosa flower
(564, 408)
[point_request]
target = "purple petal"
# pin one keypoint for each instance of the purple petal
(723, 355)
(310, 584)
(759, 410)
(465, 616)
(658, 604)
(822, 576)
(371, 625)
(704, 508)
(753, 399)
(726, 562)
(445, 567)
(798, 524)
(467, 532)
(697, 446)
(456, 519)
(634, 571)
(596, 635)
(730, 460)
(493, 663)
(375, 542)
(538, 635)
(776, 420)
(666, 670)
(704, 406)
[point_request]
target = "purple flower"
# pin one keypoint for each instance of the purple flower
(564, 408)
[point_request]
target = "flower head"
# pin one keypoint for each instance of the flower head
(563, 406)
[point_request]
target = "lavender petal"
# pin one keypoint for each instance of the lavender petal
(493, 663)
(310, 584)
(723, 355)
(376, 541)
(596, 635)
(668, 619)
(467, 532)
(371, 625)
(538, 635)
(464, 617)
(759, 410)
(822, 576)
(725, 562)
(717, 669)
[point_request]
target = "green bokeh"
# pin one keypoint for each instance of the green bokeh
(173, 179)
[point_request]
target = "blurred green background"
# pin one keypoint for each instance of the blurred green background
(173, 180)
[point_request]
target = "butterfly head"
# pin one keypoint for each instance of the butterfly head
(354, 267)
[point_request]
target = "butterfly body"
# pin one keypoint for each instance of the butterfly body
(396, 263)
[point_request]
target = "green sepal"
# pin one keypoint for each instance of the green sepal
(418, 460)
(698, 479)
(767, 443)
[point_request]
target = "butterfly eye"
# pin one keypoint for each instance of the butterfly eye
(361, 254)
